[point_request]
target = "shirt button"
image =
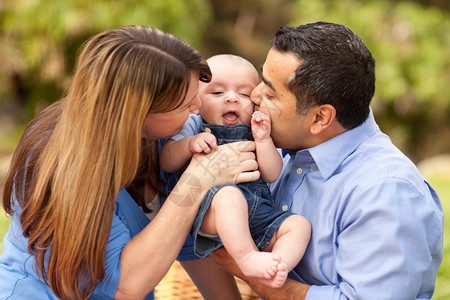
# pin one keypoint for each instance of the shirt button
(299, 171)
(284, 207)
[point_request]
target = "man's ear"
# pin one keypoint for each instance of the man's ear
(323, 117)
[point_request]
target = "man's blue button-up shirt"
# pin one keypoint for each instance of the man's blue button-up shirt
(377, 225)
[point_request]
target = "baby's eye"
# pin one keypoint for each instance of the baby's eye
(216, 93)
(245, 95)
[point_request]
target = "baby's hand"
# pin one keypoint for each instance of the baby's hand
(203, 142)
(261, 126)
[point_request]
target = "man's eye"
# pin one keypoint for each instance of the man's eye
(268, 96)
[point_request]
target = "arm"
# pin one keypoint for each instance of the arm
(290, 290)
(175, 154)
(213, 282)
(269, 160)
(147, 257)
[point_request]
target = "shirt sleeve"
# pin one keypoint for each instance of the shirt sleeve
(190, 128)
(391, 237)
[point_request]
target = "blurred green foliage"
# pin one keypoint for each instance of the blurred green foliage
(411, 45)
(410, 41)
(39, 39)
(442, 186)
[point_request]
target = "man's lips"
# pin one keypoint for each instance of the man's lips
(230, 118)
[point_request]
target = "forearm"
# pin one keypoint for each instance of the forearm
(148, 256)
(174, 155)
(290, 290)
(213, 282)
(269, 160)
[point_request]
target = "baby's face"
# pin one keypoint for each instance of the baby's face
(226, 99)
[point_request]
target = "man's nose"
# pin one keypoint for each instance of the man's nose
(255, 96)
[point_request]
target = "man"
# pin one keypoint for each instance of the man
(377, 225)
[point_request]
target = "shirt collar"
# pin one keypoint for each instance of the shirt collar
(329, 155)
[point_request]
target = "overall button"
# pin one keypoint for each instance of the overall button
(208, 130)
(299, 171)
(284, 207)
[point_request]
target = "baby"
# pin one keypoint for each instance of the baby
(239, 216)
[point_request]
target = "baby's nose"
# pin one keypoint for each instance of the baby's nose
(231, 98)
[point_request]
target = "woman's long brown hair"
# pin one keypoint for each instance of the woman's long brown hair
(74, 157)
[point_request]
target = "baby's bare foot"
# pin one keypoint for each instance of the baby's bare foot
(259, 264)
(279, 279)
(281, 276)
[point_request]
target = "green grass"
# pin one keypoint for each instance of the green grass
(442, 187)
(4, 223)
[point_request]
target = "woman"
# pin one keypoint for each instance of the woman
(75, 231)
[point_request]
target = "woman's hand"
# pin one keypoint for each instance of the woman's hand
(231, 163)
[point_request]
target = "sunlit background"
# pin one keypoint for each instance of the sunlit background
(410, 41)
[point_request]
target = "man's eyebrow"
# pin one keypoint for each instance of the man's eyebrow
(267, 82)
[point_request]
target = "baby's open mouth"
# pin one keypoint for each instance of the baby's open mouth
(230, 118)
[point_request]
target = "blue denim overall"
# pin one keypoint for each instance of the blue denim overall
(263, 219)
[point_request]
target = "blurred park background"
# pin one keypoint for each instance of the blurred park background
(410, 40)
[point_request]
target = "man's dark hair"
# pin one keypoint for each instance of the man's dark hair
(336, 68)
